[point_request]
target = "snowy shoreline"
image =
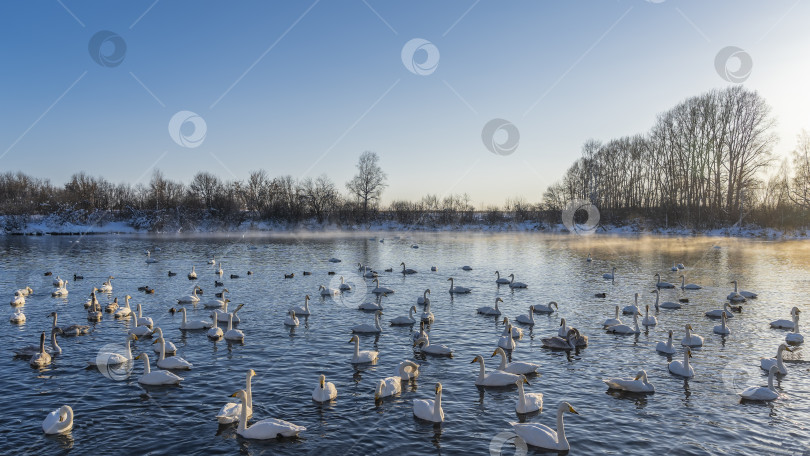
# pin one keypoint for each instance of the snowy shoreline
(46, 227)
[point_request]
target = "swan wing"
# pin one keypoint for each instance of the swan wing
(271, 428)
(229, 413)
(536, 434)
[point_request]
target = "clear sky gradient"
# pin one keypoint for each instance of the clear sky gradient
(303, 87)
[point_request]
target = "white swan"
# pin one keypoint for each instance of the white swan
(325, 391)
(193, 299)
(424, 298)
(380, 290)
(631, 310)
(794, 337)
(546, 309)
(408, 370)
(189, 325)
(124, 312)
(495, 378)
(408, 270)
(430, 409)
(229, 413)
(172, 362)
(219, 270)
(564, 328)
(666, 347)
(691, 286)
(372, 305)
(212, 261)
(691, 340)
(193, 274)
(302, 310)
(218, 303)
(507, 342)
(234, 335)
(158, 377)
(291, 319)
(638, 384)
(457, 290)
(625, 329)
(41, 358)
(786, 324)
(649, 320)
(683, 368)
(17, 301)
(764, 363)
(403, 320)
(488, 310)
(722, 328)
(366, 328)
(106, 287)
(517, 333)
(527, 402)
(717, 313)
(423, 342)
(58, 282)
(140, 331)
(499, 280)
(515, 367)
(665, 304)
(23, 292)
(761, 393)
(526, 319)
(269, 428)
(674, 267)
(215, 332)
(223, 315)
(613, 321)
(106, 357)
(362, 356)
(344, 286)
(513, 284)
(60, 421)
(563, 343)
(170, 348)
(144, 321)
(610, 275)
(541, 436)
(324, 291)
(660, 284)
(18, 317)
(743, 293)
(149, 258)
(388, 386)
(61, 291)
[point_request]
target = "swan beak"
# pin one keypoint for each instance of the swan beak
(526, 381)
(234, 394)
(352, 340)
(474, 360)
(571, 409)
(494, 353)
(789, 349)
(138, 357)
(637, 377)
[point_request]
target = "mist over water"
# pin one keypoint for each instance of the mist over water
(699, 416)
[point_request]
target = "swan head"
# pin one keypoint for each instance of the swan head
(496, 351)
(657, 275)
(322, 381)
(570, 408)
(438, 388)
(688, 327)
(505, 320)
(354, 339)
(158, 340)
(688, 352)
(641, 375)
(781, 347)
(134, 337)
(562, 321)
(402, 264)
(795, 311)
(512, 276)
(240, 394)
(418, 341)
(670, 334)
(551, 303)
(531, 309)
(647, 307)
(523, 380)
(476, 359)
(497, 300)
(428, 292)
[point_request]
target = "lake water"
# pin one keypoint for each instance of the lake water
(702, 415)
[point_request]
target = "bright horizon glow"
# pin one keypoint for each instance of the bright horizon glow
(303, 88)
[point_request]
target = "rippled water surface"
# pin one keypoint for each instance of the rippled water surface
(702, 415)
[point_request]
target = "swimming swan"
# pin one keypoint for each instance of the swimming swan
(766, 363)
(761, 393)
(683, 368)
(229, 413)
(364, 356)
(269, 428)
(60, 421)
(515, 367)
(541, 436)
(430, 409)
(495, 378)
(158, 377)
(638, 384)
(527, 402)
(457, 290)
(325, 391)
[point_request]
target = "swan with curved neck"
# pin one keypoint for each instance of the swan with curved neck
(527, 403)
(766, 363)
(666, 347)
(683, 368)
(515, 367)
(541, 436)
(59, 421)
(496, 378)
(270, 428)
(527, 319)
(760, 393)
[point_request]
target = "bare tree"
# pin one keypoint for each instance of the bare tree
(370, 181)
(320, 195)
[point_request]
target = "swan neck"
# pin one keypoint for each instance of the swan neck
(249, 391)
(522, 395)
(56, 348)
(230, 322)
(686, 361)
(502, 365)
(162, 349)
(356, 348)
(437, 406)
(243, 414)
(561, 440)
(129, 349)
(770, 381)
(146, 368)
(482, 370)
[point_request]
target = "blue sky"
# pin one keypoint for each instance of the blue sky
(304, 87)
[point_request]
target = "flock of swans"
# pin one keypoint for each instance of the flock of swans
(508, 372)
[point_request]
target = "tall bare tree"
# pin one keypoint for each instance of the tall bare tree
(367, 186)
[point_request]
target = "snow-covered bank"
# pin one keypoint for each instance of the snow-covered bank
(44, 225)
